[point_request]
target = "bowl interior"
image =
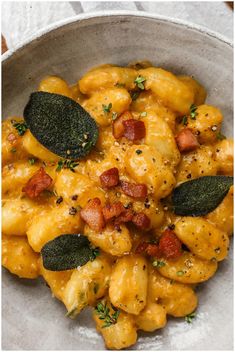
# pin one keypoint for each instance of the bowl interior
(31, 319)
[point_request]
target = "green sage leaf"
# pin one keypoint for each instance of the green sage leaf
(61, 125)
(200, 196)
(67, 252)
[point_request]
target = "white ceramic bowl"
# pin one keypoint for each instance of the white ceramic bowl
(31, 318)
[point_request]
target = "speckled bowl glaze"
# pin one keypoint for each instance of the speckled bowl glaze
(32, 319)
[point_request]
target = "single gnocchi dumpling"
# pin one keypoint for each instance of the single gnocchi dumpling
(86, 285)
(143, 164)
(202, 238)
(33, 147)
(189, 269)
(128, 284)
(207, 123)
(104, 77)
(12, 148)
(19, 258)
(120, 335)
(222, 216)
(17, 215)
(176, 298)
(55, 84)
(102, 104)
(224, 156)
(57, 280)
(201, 162)
(198, 89)
(152, 317)
(116, 242)
(160, 136)
(16, 176)
(55, 222)
(147, 101)
(173, 92)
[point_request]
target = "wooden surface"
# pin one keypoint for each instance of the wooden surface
(21, 19)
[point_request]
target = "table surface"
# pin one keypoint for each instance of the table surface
(22, 19)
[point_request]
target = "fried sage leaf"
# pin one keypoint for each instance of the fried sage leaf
(61, 125)
(200, 196)
(67, 252)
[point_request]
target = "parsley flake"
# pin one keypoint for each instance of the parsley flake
(13, 150)
(143, 114)
(158, 263)
(114, 116)
(189, 318)
(139, 81)
(66, 164)
(103, 311)
(107, 108)
(184, 120)
(180, 273)
(21, 127)
(31, 161)
(193, 113)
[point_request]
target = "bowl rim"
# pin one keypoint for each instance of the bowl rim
(80, 17)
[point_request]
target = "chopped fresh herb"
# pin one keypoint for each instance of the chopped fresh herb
(135, 95)
(139, 81)
(103, 311)
(189, 318)
(21, 127)
(143, 114)
(66, 164)
(220, 136)
(31, 161)
(138, 151)
(13, 150)
(193, 112)
(185, 120)
(107, 108)
(95, 253)
(67, 252)
(180, 273)
(114, 115)
(158, 264)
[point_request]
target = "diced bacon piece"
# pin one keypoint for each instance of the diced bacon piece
(113, 210)
(118, 127)
(153, 250)
(92, 214)
(125, 216)
(135, 190)
(170, 245)
(141, 248)
(134, 129)
(109, 178)
(141, 220)
(186, 140)
(37, 183)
